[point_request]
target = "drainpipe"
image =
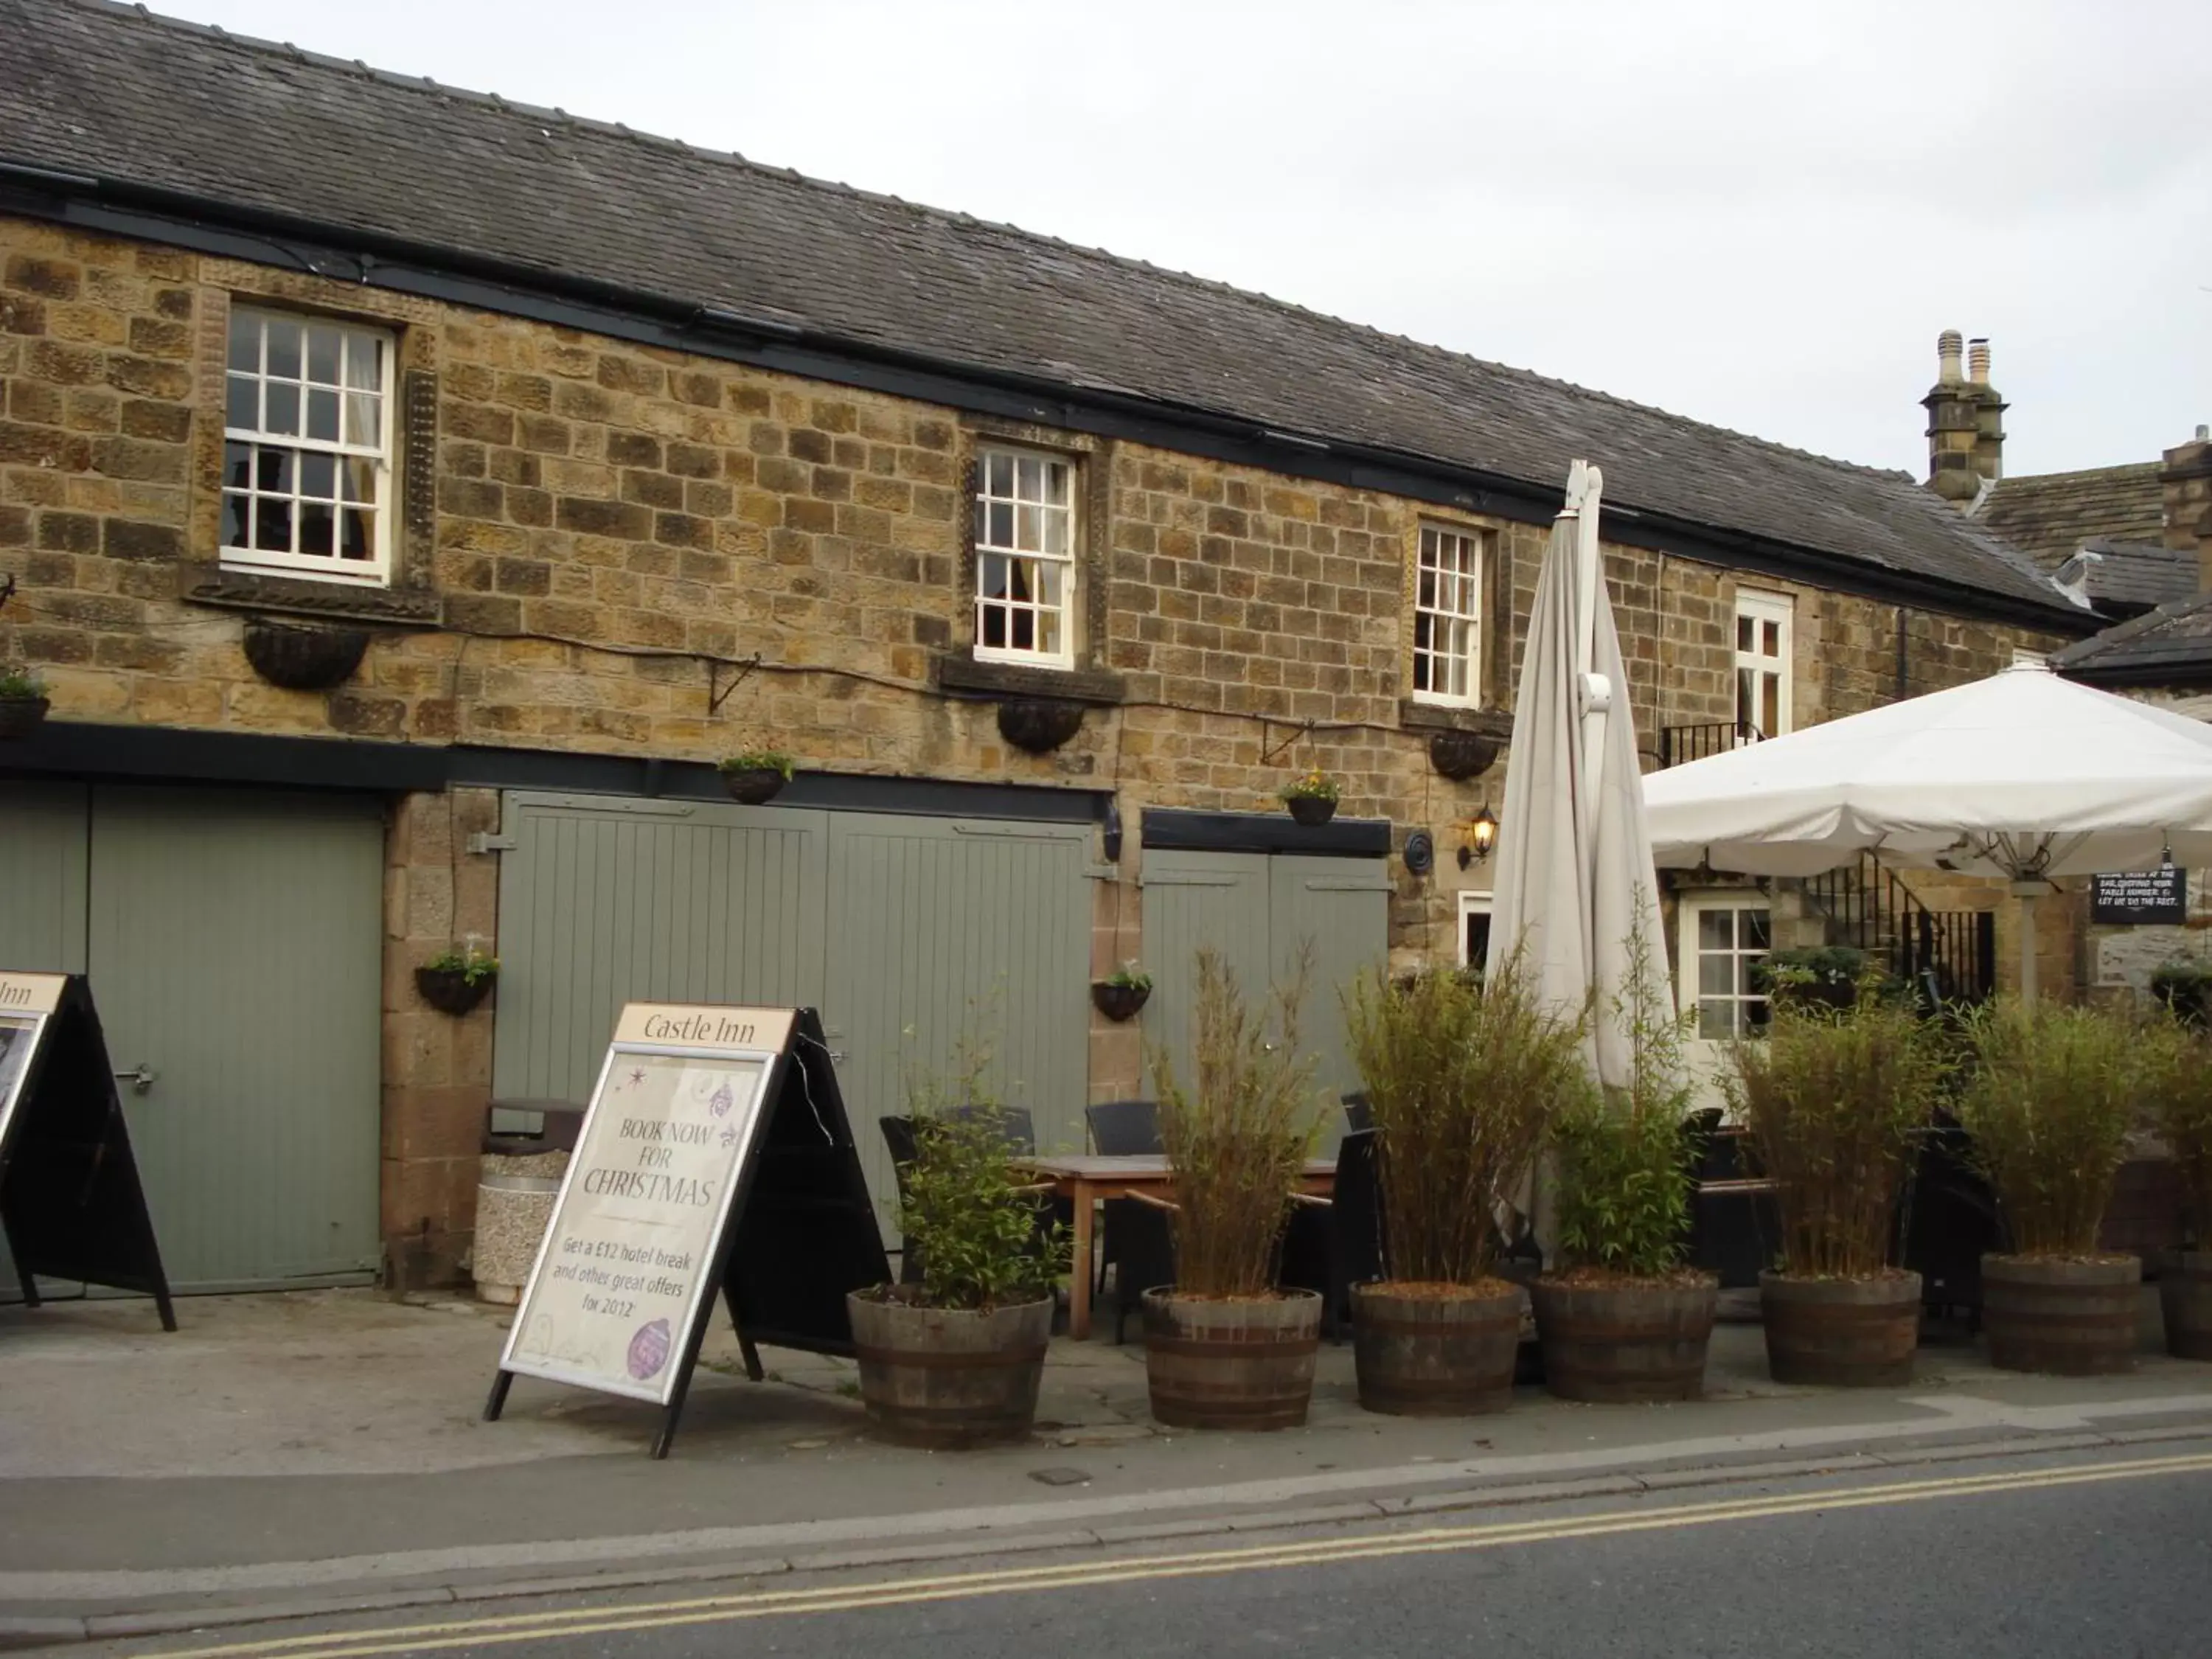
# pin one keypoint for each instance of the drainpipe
(1901, 635)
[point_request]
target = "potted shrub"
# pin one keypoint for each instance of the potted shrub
(1622, 1318)
(754, 776)
(1312, 797)
(1830, 975)
(1834, 1099)
(1225, 1348)
(1460, 1084)
(2049, 1106)
(2177, 1091)
(955, 1358)
(1121, 993)
(456, 980)
(23, 703)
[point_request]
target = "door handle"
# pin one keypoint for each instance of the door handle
(140, 1076)
(836, 1056)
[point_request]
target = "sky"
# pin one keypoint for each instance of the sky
(1759, 215)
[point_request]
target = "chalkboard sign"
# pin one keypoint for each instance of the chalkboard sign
(714, 1158)
(2142, 898)
(71, 1207)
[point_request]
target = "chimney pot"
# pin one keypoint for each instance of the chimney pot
(2204, 434)
(1947, 357)
(1978, 362)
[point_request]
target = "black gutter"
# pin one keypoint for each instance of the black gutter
(478, 282)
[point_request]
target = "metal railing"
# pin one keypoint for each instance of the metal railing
(1948, 955)
(1681, 744)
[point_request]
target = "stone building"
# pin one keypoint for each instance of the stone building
(409, 495)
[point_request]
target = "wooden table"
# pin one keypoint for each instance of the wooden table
(1090, 1178)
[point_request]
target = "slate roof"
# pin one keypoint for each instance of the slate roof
(101, 90)
(2050, 516)
(2171, 644)
(2134, 576)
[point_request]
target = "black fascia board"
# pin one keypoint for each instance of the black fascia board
(207, 225)
(1176, 829)
(180, 755)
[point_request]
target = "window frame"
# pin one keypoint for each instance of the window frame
(1763, 607)
(1689, 994)
(1072, 561)
(1471, 904)
(1474, 584)
(377, 570)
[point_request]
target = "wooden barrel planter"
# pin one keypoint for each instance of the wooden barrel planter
(2068, 1318)
(1841, 1333)
(1436, 1350)
(1246, 1364)
(1626, 1341)
(2184, 1294)
(944, 1378)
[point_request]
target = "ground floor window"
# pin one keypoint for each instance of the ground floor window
(1474, 929)
(1725, 937)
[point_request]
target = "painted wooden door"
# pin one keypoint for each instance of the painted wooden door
(234, 940)
(1339, 910)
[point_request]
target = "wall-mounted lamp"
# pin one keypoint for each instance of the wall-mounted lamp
(1479, 835)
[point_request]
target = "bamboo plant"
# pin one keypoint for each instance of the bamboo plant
(2176, 1096)
(1238, 1139)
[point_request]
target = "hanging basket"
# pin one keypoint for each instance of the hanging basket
(752, 785)
(448, 989)
(1118, 1002)
(1311, 811)
(1037, 726)
(20, 716)
(1459, 755)
(303, 659)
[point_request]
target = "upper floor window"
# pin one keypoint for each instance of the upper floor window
(1025, 535)
(1448, 617)
(307, 465)
(1762, 663)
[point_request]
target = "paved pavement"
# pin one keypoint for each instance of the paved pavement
(325, 1445)
(2098, 1552)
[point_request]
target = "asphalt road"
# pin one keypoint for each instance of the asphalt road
(2024, 1558)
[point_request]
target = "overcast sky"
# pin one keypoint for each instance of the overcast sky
(1759, 215)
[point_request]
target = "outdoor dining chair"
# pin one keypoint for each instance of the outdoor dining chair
(1133, 1239)
(1333, 1243)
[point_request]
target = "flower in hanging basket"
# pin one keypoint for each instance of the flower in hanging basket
(1121, 993)
(23, 703)
(455, 981)
(1311, 796)
(754, 776)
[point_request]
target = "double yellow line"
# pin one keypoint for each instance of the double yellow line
(842, 1598)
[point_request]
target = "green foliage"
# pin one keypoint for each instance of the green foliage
(967, 1214)
(2175, 1093)
(472, 962)
(1834, 975)
(20, 685)
(760, 760)
(1833, 1098)
(1312, 784)
(1129, 977)
(2185, 987)
(1626, 1161)
(1462, 1085)
(2049, 1105)
(1237, 1142)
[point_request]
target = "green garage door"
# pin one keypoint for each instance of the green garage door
(1258, 910)
(903, 930)
(233, 941)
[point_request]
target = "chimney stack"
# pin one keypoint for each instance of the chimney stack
(1953, 426)
(2185, 485)
(1989, 414)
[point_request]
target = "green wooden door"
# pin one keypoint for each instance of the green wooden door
(940, 927)
(1194, 900)
(234, 940)
(1339, 908)
(604, 901)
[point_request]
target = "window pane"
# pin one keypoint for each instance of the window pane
(1426, 591)
(242, 404)
(1716, 931)
(1716, 1018)
(323, 355)
(1055, 533)
(237, 465)
(1772, 641)
(999, 474)
(234, 510)
(364, 420)
(245, 341)
(1049, 632)
(1422, 661)
(1747, 711)
(1770, 705)
(1028, 478)
(318, 476)
(284, 410)
(1048, 581)
(991, 577)
(1024, 630)
(272, 524)
(1002, 525)
(1743, 633)
(360, 533)
(315, 527)
(1029, 533)
(1755, 925)
(284, 349)
(1057, 477)
(1021, 583)
(323, 416)
(358, 480)
(273, 470)
(991, 626)
(364, 364)
(1716, 974)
